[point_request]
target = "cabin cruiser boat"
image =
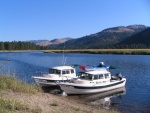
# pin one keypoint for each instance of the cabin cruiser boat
(56, 74)
(93, 81)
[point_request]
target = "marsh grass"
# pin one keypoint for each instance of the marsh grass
(8, 82)
(104, 51)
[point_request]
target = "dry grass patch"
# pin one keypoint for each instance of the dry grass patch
(13, 106)
(7, 82)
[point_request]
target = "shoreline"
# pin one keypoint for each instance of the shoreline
(49, 103)
(104, 51)
(23, 97)
(91, 51)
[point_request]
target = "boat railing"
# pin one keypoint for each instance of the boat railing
(41, 73)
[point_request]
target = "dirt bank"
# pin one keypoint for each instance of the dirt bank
(49, 103)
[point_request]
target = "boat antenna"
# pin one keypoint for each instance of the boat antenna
(64, 58)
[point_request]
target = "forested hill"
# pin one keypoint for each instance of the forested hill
(49, 42)
(133, 36)
(107, 38)
(18, 45)
(139, 40)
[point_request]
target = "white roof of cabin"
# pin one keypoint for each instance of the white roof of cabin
(62, 67)
(98, 72)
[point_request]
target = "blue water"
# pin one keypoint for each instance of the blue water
(136, 68)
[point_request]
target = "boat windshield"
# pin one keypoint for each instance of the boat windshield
(54, 71)
(89, 76)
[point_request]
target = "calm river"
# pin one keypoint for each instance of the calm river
(135, 97)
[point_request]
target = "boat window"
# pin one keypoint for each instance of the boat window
(96, 77)
(106, 75)
(72, 71)
(101, 76)
(89, 76)
(54, 71)
(82, 75)
(58, 72)
(65, 72)
(51, 71)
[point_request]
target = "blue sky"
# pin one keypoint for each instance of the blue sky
(23, 20)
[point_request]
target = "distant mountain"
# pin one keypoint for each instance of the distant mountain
(115, 37)
(139, 40)
(37, 41)
(107, 37)
(49, 42)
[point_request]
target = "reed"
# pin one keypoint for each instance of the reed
(104, 51)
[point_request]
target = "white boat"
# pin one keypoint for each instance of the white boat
(56, 74)
(93, 81)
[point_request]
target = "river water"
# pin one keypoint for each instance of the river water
(135, 97)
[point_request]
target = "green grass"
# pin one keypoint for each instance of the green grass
(7, 82)
(104, 51)
(93, 51)
(11, 105)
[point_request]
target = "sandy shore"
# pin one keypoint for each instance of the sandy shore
(49, 103)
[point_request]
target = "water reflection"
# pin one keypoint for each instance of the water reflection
(103, 99)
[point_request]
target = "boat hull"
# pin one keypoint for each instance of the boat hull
(71, 88)
(41, 81)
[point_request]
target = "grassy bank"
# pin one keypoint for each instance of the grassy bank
(18, 97)
(10, 105)
(104, 51)
(11, 83)
(91, 51)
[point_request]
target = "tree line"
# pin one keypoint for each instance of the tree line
(19, 45)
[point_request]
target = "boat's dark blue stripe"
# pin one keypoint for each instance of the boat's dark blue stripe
(56, 80)
(98, 87)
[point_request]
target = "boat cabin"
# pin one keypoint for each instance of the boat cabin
(97, 77)
(63, 71)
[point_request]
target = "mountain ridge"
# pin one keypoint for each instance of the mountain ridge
(106, 38)
(50, 42)
(141, 39)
